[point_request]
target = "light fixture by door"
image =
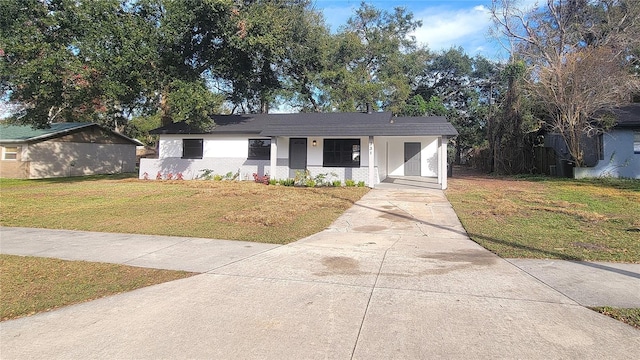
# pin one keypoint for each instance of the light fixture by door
(314, 143)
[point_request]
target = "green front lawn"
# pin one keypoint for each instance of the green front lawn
(208, 209)
(31, 285)
(596, 220)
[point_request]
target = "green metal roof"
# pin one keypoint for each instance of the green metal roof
(25, 133)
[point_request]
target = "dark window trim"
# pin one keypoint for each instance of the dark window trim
(344, 151)
(192, 151)
(601, 147)
(265, 156)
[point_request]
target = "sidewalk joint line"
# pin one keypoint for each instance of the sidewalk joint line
(244, 258)
(373, 288)
(543, 282)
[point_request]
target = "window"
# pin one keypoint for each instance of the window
(192, 148)
(601, 147)
(10, 153)
(259, 149)
(636, 142)
(341, 153)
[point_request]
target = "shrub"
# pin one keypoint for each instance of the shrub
(261, 179)
(310, 183)
(336, 183)
(302, 176)
(232, 176)
(273, 181)
(321, 179)
(286, 182)
(207, 174)
(360, 183)
(349, 183)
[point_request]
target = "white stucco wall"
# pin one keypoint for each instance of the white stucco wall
(230, 146)
(619, 158)
(223, 154)
(394, 155)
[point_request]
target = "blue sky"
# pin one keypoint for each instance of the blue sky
(445, 23)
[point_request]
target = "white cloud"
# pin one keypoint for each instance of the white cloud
(443, 28)
(337, 16)
(444, 24)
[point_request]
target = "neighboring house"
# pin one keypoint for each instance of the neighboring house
(618, 150)
(64, 149)
(366, 147)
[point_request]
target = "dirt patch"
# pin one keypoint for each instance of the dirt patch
(473, 257)
(396, 216)
(340, 265)
(370, 228)
(589, 246)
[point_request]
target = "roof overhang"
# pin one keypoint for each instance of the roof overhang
(418, 129)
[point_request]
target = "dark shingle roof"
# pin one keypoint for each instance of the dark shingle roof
(23, 133)
(628, 116)
(321, 124)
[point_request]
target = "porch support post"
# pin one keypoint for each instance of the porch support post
(372, 163)
(439, 152)
(274, 157)
(443, 162)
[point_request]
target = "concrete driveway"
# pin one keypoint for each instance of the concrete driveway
(395, 277)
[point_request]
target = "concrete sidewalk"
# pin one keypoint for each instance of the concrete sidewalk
(394, 277)
(160, 252)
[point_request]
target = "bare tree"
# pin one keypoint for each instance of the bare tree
(578, 58)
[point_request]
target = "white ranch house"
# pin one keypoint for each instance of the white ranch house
(367, 147)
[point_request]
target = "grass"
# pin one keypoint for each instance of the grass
(627, 316)
(208, 209)
(31, 285)
(539, 217)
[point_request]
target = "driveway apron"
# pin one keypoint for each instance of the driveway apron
(395, 277)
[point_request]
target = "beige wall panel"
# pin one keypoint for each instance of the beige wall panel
(14, 169)
(55, 159)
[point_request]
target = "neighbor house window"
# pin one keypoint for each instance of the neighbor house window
(192, 148)
(10, 153)
(601, 147)
(341, 153)
(259, 149)
(636, 142)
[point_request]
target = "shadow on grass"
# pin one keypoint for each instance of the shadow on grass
(541, 252)
(604, 182)
(77, 179)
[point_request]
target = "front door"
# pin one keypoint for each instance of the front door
(412, 159)
(297, 155)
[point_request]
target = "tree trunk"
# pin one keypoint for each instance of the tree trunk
(165, 114)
